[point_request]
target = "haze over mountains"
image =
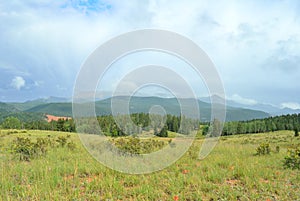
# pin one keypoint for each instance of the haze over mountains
(268, 108)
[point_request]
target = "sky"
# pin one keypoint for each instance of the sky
(255, 45)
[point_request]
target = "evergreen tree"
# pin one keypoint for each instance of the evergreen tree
(296, 132)
(163, 132)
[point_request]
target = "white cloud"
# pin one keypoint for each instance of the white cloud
(290, 105)
(18, 82)
(49, 41)
(246, 101)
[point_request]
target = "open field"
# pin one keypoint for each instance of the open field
(231, 172)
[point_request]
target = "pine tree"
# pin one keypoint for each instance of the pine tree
(163, 132)
(296, 132)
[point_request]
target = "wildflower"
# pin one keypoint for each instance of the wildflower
(185, 171)
(176, 198)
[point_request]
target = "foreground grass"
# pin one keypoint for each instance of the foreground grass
(230, 172)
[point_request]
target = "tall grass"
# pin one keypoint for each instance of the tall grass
(231, 172)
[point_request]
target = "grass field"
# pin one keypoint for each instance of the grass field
(231, 172)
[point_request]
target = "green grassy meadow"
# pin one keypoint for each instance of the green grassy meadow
(231, 172)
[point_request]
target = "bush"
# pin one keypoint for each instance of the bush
(296, 132)
(23, 148)
(263, 149)
(277, 149)
(71, 145)
(40, 147)
(131, 145)
(292, 160)
(12, 132)
(62, 141)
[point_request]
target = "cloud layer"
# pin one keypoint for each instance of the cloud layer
(18, 82)
(254, 44)
(291, 105)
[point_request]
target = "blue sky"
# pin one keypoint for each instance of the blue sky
(255, 45)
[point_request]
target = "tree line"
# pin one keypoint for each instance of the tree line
(67, 125)
(120, 125)
(270, 124)
(137, 123)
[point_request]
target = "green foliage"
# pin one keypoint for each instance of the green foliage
(145, 123)
(62, 141)
(205, 130)
(40, 147)
(296, 132)
(75, 175)
(263, 149)
(277, 149)
(292, 160)
(142, 123)
(283, 122)
(25, 149)
(163, 132)
(213, 129)
(139, 105)
(9, 110)
(71, 145)
(132, 145)
(11, 123)
(12, 132)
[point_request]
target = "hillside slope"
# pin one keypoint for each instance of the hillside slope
(144, 104)
(7, 110)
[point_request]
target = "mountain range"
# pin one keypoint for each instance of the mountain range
(36, 109)
(268, 108)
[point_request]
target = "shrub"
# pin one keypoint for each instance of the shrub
(263, 149)
(62, 141)
(131, 145)
(71, 145)
(23, 148)
(40, 147)
(277, 149)
(292, 160)
(12, 132)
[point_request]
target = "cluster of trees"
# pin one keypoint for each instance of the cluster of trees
(60, 125)
(213, 129)
(134, 124)
(109, 125)
(283, 122)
